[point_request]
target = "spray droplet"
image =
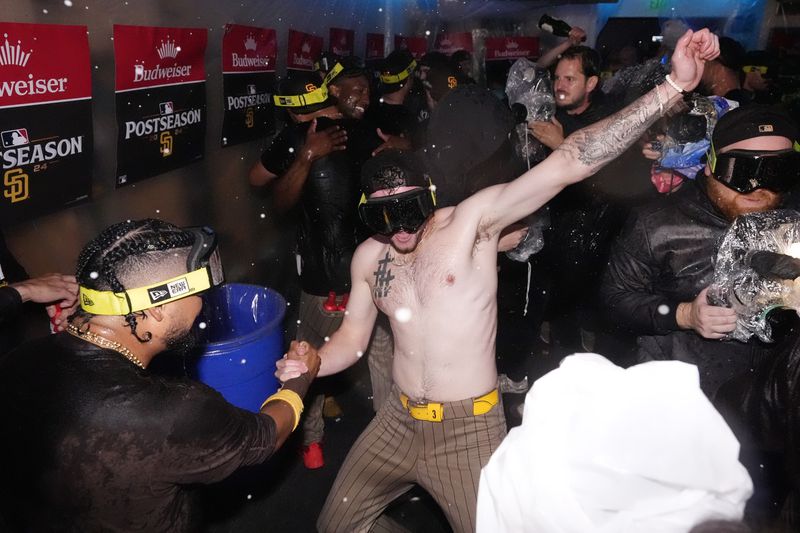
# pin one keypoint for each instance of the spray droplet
(291, 150)
(403, 314)
(68, 3)
(93, 275)
(327, 338)
(663, 309)
(263, 215)
(243, 361)
(202, 325)
(249, 496)
(359, 353)
(44, 11)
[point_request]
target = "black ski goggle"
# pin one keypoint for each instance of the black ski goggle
(406, 211)
(747, 170)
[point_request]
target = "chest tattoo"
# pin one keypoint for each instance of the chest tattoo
(383, 277)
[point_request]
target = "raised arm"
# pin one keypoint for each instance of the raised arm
(576, 36)
(349, 342)
(584, 152)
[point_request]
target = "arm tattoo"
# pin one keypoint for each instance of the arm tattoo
(383, 277)
(602, 141)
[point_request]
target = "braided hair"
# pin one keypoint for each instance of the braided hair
(124, 251)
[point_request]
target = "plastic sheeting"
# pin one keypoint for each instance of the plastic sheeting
(753, 283)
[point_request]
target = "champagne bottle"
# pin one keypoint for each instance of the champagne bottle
(557, 27)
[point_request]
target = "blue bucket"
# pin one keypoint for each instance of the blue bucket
(243, 338)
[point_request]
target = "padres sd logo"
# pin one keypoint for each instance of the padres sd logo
(452, 82)
(310, 87)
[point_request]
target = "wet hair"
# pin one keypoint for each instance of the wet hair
(392, 169)
(590, 59)
(124, 253)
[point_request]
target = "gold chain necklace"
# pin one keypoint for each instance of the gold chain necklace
(102, 342)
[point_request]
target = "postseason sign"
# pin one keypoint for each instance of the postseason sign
(248, 67)
(161, 99)
(45, 119)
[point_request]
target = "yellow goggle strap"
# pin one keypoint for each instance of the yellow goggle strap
(400, 76)
(753, 68)
(123, 303)
(337, 68)
(317, 96)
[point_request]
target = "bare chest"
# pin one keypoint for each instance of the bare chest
(412, 283)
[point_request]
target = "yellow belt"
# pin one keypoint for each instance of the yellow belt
(434, 411)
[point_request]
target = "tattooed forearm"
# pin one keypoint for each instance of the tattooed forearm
(602, 141)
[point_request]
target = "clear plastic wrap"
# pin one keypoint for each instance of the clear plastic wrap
(750, 281)
(534, 239)
(531, 87)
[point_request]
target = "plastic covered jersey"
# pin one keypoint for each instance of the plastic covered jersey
(756, 270)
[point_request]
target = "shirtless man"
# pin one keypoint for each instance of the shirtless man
(433, 273)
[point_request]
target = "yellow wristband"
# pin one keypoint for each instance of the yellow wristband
(290, 397)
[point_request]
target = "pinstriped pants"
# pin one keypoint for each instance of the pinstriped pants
(396, 451)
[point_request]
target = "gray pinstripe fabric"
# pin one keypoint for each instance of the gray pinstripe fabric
(396, 451)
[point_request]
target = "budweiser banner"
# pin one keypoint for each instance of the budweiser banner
(304, 49)
(511, 47)
(161, 99)
(418, 46)
(45, 119)
(374, 49)
(342, 42)
(447, 43)
(248, 81)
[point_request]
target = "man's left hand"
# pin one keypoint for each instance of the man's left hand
(550, 134)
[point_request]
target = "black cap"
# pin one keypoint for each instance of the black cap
(751, 121)
(395, 63)
(442, 78)
(391, 169)
(299, 82)
(352, 67)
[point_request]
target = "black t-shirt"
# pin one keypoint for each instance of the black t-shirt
(392, 119)
(329, 228)
(93, 443)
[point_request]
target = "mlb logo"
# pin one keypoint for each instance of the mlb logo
(15, 137)
(166, 108)
(251, 89)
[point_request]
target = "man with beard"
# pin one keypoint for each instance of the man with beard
(662, 263)
(94, 441)
(433, 273)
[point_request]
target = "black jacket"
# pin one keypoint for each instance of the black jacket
(665, 256)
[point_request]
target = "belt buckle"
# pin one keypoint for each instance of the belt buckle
(427, 411)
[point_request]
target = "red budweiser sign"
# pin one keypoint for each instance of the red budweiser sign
(511, 47)
(304, 49)
(447, 43)
(43, 63)
(418, 46)
(341, 42)
(248, 49)
(152, 57)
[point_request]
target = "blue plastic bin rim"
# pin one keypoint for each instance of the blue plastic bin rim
(210, 348)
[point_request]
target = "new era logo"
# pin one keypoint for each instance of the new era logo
(87, 301)
(158, 294)
(765, 128)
